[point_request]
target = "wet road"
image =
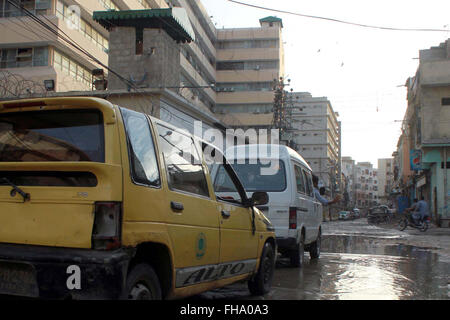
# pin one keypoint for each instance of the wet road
(356, 267)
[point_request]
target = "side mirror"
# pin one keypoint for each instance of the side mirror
(260, 198)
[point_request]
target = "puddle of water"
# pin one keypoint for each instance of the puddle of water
(366, 268)
(360, 268)
(373, 245)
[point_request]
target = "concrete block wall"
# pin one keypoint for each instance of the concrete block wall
(158, 65)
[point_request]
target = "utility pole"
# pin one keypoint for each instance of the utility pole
(282, 114)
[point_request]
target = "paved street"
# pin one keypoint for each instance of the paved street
(361, 261)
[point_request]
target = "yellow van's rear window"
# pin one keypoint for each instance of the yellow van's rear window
(59, 135)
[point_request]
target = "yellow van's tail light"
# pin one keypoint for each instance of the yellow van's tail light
(107, 225)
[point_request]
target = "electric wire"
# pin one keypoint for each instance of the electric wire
(337, 20)
(67, 40)
(72, 43)
(17, 32)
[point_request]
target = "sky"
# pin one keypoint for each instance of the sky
(362, 71)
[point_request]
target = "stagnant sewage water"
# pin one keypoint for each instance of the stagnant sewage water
(355, 267)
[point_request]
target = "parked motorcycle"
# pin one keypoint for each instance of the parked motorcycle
(407, 220)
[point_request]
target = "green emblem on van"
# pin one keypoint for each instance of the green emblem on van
(200, 246)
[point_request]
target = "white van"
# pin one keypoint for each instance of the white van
(292, 208)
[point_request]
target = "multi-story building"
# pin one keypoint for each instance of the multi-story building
(242, 62)
(316, 134)
(423, 151)
(385, 180)
(366, 185)
(32, 53)
(248, 62)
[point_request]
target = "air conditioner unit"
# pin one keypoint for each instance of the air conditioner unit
(257, 68)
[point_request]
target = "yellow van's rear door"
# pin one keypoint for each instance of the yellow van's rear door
(52, 172)
(47, 224)
(54, 215)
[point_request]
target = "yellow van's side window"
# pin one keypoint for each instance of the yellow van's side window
(144, 166)
(184, 165)
(224, 183)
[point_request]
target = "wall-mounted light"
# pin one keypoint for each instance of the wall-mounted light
(49, 85)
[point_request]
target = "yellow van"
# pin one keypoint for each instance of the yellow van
(102, 202)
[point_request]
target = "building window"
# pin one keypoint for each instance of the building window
(139, 41)
(24, 57)
(248, 65)
(70, 67)
(40, 57)
(244, 86)
(248, 44)
(446, 101)
(34, 6)
(144, 3)
(86, 29)
(109, 5)
(443, 164)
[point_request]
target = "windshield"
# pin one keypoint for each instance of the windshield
(252, 179)
(62, 135)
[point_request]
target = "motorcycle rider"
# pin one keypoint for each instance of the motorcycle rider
(415, 215)
(422, 208)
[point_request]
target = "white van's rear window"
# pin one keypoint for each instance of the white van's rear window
(253, 180)
(60, 135)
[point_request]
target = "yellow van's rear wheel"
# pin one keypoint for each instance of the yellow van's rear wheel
(142, 284)
(262, 282)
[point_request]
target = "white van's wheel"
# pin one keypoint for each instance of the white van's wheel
(314, 249)
(262, 282)
(142, 284)
(298, 254)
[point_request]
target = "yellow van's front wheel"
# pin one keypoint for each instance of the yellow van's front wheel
(262, 282)
(142, 284)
